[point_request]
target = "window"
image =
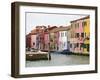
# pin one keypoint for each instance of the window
(84, 23)
(70, 45)
(62, 34)
(33, 43)
(71, 25)
(87, 38)
(81, 45)
(88, 47)
(77, 44)
(85, 34)
(77, 34)
(82, 35)
(65, 33)
(84, 46)
(77, 25)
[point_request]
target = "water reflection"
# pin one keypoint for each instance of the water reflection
(59, 60)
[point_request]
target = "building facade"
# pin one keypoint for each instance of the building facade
(58, 38)
(53, 37)
(86, 26)
(80, 32)
(33, 39)
(62, 40)
(75, 38)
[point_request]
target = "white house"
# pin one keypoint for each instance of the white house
(62, 39)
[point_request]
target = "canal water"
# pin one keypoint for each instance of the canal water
(60, 60)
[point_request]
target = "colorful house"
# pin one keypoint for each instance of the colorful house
(72, 39)
(33, 39)
(79, 31)
(78, 36)
(52, 37)
(86, 27)
(59, 38)
(63, 38)
(40, 37)
(37, 38)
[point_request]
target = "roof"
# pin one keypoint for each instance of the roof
(35, 31)
(28, 35)
(60, 29)
(50, 29)
(80, 19)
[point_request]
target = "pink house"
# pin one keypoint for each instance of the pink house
(78, 36)
(33, 39)
(47, 37)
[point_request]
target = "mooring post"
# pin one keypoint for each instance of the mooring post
(49, 56)
(49, 44)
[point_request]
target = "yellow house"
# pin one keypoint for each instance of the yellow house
(86, 29)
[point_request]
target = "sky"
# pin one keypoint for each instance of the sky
(39, 19)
